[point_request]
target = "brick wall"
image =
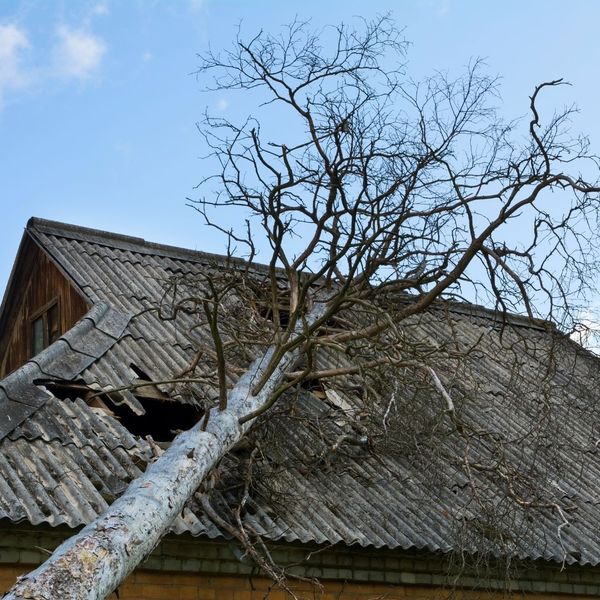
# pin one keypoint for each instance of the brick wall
(8, 575)
(187, 568)
(156, 585)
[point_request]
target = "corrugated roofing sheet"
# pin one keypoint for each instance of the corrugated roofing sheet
(61, 461)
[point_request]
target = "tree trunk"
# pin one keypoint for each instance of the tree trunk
(91, 564)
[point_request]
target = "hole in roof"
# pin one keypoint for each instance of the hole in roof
(139, 372)
(65, 390)
(315, 387)
(73, 390)
(264, 302)
(266, 312)
(337, 322)
(162, 419)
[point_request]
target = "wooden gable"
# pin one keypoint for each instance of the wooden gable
(37, 291)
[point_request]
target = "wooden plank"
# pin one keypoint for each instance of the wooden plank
(37, 284)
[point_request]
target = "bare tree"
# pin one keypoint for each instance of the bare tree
(380, 197)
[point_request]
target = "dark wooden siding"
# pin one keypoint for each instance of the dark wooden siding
(36, 284)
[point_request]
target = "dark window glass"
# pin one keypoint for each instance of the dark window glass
(45, 329)
(37, 336)
(53, 324)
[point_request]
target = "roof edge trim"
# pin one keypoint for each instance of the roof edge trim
(131, 243)
(141, 246)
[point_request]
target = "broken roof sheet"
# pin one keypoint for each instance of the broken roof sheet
(61, 461)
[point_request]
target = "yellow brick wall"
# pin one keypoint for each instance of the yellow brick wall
(8, 575)
(153, 585)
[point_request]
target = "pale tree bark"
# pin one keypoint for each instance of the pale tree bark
(92, 564)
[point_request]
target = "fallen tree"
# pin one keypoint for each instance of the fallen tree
(396, 191)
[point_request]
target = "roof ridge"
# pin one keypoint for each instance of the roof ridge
(498, 316)
(142, 246)
(65, 358)
(125, 242)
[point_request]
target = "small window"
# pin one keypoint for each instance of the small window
(37, 336)
(45, 328)
(53, 323)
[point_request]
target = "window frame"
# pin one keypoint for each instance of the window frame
(43, 313)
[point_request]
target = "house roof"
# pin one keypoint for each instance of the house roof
(531, 391)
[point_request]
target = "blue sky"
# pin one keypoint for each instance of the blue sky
(98, 101)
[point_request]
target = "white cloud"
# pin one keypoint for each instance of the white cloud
(195, 5)
(587, 332)
(78, 53)
(222, 104)
(440, 8)
(13, 42)
(443, 8)
(100, 9)
(146, 56)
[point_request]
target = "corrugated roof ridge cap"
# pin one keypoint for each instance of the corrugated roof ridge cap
(107, 319)
(140, 245)
(20, 383)
(101, 316)
(132, 243)
(69, 229)
(14, 384)
(478, 310)
(47, 354)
